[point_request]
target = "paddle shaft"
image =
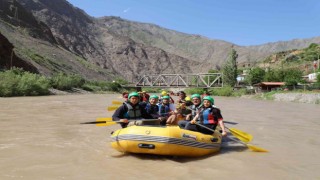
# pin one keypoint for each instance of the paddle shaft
(204, 127)
(102, 122)
(229, 122)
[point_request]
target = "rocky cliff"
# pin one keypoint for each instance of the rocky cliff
(80, 45)
(54, 36)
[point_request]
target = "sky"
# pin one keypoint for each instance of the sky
(242, 22)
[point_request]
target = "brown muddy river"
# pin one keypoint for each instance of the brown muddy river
(42, 138)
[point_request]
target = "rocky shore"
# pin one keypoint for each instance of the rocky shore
(312, 98)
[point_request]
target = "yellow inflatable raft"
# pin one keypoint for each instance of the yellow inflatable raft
(167, 140)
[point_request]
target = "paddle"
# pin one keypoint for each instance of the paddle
(108, 121)
(99, 121)
(117, 102)
(243, 136)
(112, 108)
(229, 122)
(252, 147)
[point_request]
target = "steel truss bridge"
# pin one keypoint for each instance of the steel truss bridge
(202, 80)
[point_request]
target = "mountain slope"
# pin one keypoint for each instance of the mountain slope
(53, 36)
(81, 46)
(196, 47)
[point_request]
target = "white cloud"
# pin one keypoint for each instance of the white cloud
(126, 10)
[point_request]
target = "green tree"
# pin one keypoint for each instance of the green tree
(255, 76)
(274, 76)
(292, 77)
(230, 69)
(289, 76)
(318, 78)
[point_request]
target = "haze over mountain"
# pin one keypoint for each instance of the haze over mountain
(51, 36)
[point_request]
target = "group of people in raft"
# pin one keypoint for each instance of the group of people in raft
(189, 113)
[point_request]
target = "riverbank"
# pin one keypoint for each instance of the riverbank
(298, 97)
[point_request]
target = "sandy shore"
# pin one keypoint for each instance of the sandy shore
(42, 138)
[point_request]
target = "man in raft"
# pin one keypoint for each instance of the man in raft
(131, 110)
(195, 108)
(152, 107)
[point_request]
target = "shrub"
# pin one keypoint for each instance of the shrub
(33, 85)
(270, 95)
(91, 87)
(62, 81)
(101, 86)
(318, 78)
(195, 91)
(8, 83)
(113, 86)
(17, 82)
(239, 92)
(225, 91)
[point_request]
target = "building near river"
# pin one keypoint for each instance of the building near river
(268, 86)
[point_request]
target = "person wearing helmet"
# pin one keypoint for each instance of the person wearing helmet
(131, 110)
(195, 107)
(164, 93)
(153, 110)
(188, 101)
(164, 110)
(209, 116)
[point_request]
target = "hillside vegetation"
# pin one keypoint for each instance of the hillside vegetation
(16, 82)
(302, 59)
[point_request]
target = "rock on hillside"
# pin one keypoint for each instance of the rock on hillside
(8, 56)
(34, 46)
(93, 46)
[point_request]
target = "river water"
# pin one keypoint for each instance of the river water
(42, 138)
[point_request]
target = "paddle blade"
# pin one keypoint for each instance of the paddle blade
(112, 108)
(243, 136)
(106, 123)
(104, 119)
(256, 149)
(117, 102)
